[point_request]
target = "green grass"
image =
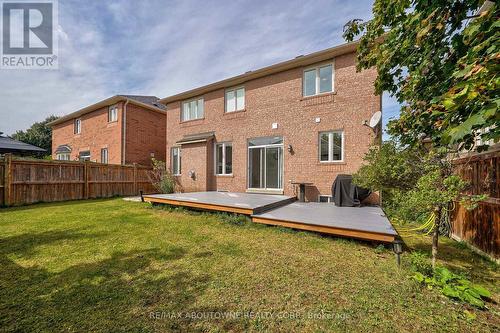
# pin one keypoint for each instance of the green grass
(111, 265)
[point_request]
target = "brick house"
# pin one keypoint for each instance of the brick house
(302, 120)
(122, 129)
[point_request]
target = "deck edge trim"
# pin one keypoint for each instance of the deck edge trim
(325, 229)
(245, 211)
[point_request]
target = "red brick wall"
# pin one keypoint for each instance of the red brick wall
(96, 133)
(278, 98)
(145, 134)
(196, 157)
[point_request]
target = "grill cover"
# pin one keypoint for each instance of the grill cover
(346, 194)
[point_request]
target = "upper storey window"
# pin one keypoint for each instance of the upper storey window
(192, 109)
(77, 126)
(318, 80)
(235, 99)
(113, 113)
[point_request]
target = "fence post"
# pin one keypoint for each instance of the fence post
(86, 179)
(7, 179)
(135, 178)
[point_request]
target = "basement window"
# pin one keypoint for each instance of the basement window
(325, 198)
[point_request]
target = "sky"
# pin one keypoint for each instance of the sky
(159, 47)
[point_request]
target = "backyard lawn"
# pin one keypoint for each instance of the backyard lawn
(112, 265)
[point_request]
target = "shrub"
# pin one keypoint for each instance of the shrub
(420, 263)
(161, 178)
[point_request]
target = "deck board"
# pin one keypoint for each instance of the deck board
(368, 223)
(357, 222)
(242, 203)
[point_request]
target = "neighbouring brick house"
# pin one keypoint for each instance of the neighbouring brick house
(302, 120)
(122, 129)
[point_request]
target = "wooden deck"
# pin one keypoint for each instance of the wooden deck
(240, 203)
(366, 223)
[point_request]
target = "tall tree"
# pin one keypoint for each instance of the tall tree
(39, 134)
(441, 62)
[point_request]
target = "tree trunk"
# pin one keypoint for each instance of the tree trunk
(435, 236)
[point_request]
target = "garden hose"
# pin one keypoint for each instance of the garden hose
(429, 223)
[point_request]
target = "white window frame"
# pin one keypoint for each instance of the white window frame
(317, 82)
(63, 156)
(179, 160)
(77, 126)
(106, 155)
(223, 144)
(113, 114)
(235, 89)
(198, 116)
(86, 157)
(281, 154)
(330, 146)
(330, 198)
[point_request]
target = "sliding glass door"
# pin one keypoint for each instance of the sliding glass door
(265, 163)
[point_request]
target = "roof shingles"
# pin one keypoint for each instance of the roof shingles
(10, 145)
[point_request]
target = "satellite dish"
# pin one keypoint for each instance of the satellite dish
(375, 119)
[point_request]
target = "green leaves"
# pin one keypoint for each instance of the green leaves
(428, 60)
(454, 286)
(449, 104)
(458, 132)
(419, 277)
(483, 292)
(39, 134)
(411, 180)
(469, 316)
(450, 292)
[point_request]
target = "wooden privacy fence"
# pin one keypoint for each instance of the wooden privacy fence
(480, 227)
(28, 181)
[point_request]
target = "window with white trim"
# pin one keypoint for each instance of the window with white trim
(176, 160)
(63, 156)
(84, 155)
(77, 126)
(235, 99)
(192, 109)
(112, 114)
(325, 198)
(331, 146)
(104, 155)
(224, 158)
(318, 80)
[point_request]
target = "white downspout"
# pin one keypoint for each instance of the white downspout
(124, 131)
